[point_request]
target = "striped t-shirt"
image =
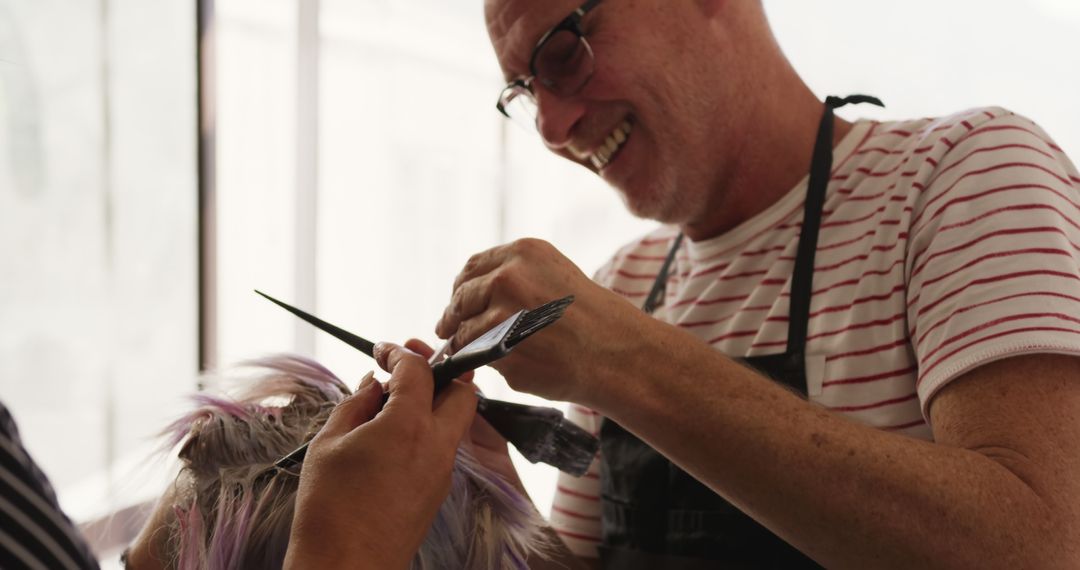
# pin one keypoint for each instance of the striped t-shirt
(945, 244)
(34, 533)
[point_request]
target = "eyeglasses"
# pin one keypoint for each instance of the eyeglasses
(562, 62)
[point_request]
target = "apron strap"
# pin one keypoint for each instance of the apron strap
(802, 280)
(659, 287)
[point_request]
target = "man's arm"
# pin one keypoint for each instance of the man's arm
(998, 489)
(844, 493)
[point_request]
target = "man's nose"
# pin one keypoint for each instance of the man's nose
(556, 117)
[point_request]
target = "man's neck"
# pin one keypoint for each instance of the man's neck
(771, 161)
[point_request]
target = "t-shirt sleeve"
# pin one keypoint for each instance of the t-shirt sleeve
(994, 262)
(575, 510)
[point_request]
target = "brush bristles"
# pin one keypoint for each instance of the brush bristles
(535, 320)
(574, 449)
(564, 445)
(543, 435)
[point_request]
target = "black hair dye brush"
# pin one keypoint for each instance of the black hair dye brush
(540, 434)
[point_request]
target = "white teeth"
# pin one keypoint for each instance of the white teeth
(602, 155)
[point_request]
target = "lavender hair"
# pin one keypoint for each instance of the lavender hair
(232, 509)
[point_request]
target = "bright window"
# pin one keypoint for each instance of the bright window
(358, 160)
(98, 300)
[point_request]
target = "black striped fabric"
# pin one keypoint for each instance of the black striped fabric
(34, 532)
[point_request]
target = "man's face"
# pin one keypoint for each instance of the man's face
(649, 98)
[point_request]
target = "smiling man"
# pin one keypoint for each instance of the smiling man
(870, 362)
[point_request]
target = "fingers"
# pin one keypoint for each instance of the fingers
(469, 299)
(454, 410)
(420, 347)
(357, 409)
(481, 263)
(471, 329)
(411, 384)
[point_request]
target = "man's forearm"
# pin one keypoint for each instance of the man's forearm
(843, 493)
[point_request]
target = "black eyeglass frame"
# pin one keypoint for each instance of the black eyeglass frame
(571, 23)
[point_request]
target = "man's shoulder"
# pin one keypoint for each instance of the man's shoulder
(924, 151)
(953, 129)
(943, 126)
(982, 137)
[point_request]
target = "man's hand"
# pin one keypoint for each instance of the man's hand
(567, 361)
(373, 480)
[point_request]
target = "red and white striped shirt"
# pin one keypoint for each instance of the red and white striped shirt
(945, 244)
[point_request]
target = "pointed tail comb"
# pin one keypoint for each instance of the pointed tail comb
(540, 434)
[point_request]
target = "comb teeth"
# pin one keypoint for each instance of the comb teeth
(536, 319)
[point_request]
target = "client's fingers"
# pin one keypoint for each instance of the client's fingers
(357, 409)
(454, 410)
(420, 347)
(411, 384)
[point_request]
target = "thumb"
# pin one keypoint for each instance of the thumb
(355, 410)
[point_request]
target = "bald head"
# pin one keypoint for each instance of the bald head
(514, 26)
(684, 82)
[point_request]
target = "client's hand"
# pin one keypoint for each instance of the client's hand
(373, 480)
(485, 444)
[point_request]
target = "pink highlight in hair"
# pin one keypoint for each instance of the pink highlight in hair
(232, 509)
(190, 555)
(225, 550)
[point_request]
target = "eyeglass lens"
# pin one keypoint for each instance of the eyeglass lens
(520, 106)
(564, 63)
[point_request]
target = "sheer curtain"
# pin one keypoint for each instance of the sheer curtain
(97, 237)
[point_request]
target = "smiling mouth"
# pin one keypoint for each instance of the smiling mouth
(603, 155)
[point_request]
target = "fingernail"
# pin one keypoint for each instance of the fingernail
(366, 381)
(380, 350)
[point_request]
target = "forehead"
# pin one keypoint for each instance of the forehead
(515, 26)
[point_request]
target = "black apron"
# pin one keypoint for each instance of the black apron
(655, 515)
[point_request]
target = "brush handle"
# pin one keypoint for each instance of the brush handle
(540, 434)
(446, 370)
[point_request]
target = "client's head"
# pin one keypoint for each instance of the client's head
(229, 507)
